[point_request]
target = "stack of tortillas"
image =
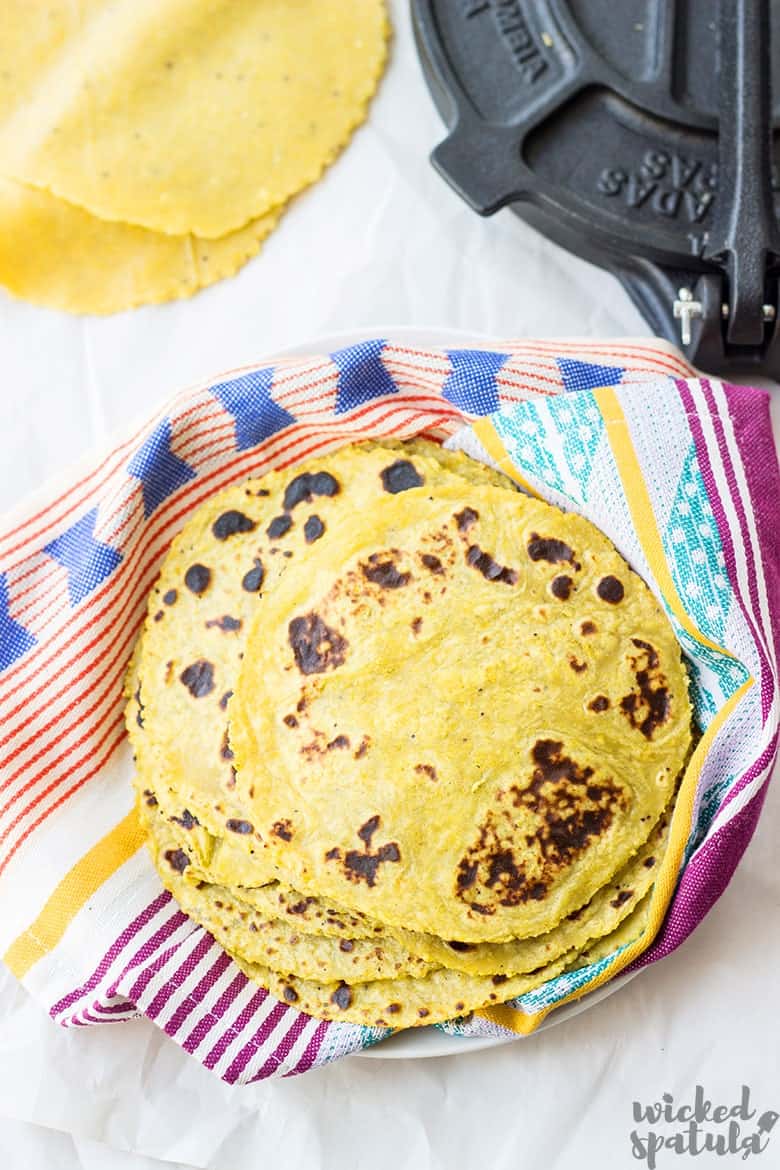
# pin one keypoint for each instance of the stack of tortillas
(148, 147)
(407, 740)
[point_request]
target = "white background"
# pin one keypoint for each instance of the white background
(380, 242)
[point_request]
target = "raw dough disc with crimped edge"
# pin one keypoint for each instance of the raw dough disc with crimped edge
(183, 115)
(219, 572)
(57, 255)
(498, 700)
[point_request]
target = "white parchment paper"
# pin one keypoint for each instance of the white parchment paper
(380, 242)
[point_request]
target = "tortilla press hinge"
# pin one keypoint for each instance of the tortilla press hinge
(731, 318)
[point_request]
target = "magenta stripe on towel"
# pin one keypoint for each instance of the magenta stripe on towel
(751, 419)
(157, 963)
(177, 978)
(214, 1014)
(710, 870)
(192, 1001)
(705, 466)
(767, 685)
(237, 1027)
(115, 1009)
(312, 1049)
(127, 935)
(260, 1038)
(279, 1053)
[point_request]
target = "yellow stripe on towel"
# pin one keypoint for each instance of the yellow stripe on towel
(76, 888)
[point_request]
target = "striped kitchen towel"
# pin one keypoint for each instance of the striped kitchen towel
(680, 472)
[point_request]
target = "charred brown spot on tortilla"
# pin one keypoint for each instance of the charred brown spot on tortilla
(363, 747)
(576, 665)
(571, 811)
(489, 568)
(238, 826)
(423, 1012)
(588, 628)
(575, 914)
(198, 678)
(610, 589)
(363, 866)
(139, 714)
(282, 829)
(466, 518)
(416, 625)
(197, 579)
(647, 708)
(400, 477)
(649, 862)
(150, 798)
(313, 529)
(169, 597)
(290, 721)
(426, 770)
(253, 579)
(308, 485)
(384, 573)
(316, 646)
(186, 820)
(223, 702)
(547, 548)
(224, 750)
(600, 703)
(497, 980)
(366, 831)
(432, 563)
(346, 945)
(290, 994)
(393, 1008)
(177, 859)
(621, 898)
(158, 616)
(340, 742)
(561, 587)
(278, 527)
(226, 623)
(169, 670)
(460, 947)
(342, 996)
(232, 523)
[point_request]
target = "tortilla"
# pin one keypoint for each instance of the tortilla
(57, 255)
(183, 116)
(308, 934)
(498, 702)
(219, 572)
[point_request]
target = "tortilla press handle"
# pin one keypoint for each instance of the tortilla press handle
(482, 163)
(731, 320)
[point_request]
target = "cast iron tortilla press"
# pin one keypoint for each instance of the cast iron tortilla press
(639, 134)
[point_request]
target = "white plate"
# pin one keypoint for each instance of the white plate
(417, 1043)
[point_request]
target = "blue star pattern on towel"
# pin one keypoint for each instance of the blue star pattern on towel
(587, 375)
(87, 560)
(248, 398)
(159, 470)
(15, 640)
(362, 375)
(471, 382)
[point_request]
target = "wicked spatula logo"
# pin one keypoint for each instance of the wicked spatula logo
(697, 1126)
